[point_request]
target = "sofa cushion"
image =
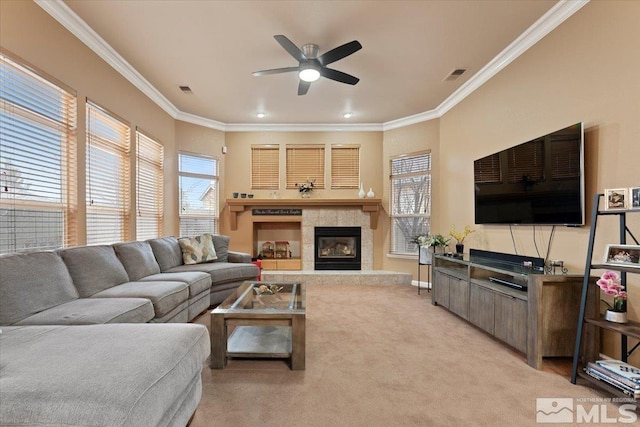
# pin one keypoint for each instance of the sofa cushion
(137, 258)
(221, 243)
(32, 282)
(101, 375)
(198, 281)
(223, 272)
(165, 296)
(93, 268)
(198, 249)
(167, 252)
(91, 311)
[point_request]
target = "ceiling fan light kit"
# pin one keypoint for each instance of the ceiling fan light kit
(311, 66)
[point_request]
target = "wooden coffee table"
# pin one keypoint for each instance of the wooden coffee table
(254, 323)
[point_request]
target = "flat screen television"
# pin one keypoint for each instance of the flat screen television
(537, 182)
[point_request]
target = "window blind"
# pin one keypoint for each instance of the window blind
(305, 163)
(410, 200)
(108, 183)
(487, 169)
(149, 187)
(38, 201)
(345, 166)
(198, 184)
(526, 162)
(265, 167)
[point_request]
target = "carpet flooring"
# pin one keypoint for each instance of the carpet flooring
(385, 356)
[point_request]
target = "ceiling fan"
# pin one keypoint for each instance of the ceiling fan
(311, 66)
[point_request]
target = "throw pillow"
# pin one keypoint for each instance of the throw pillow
(199, 249)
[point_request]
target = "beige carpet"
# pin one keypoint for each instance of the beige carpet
(383, 356)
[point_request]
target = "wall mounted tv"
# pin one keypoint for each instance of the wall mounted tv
(538, 182)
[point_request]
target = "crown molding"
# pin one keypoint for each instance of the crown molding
(301, 127)
(560, 12)
(72, 22)
(543, 26)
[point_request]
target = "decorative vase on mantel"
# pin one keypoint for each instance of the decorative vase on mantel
(361, 193)
(305, 194)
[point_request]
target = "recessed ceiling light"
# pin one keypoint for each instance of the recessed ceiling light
(260, 115)
(347, 115)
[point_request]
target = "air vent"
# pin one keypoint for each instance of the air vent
(455, 74)
(186, 89)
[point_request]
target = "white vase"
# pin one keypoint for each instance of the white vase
(361, 192)
(616, 316)
(371, 194)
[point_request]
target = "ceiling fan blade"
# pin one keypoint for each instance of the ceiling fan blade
(303, 87)
(274, 71)
(338, 76)
(340, 52)
(290, 47)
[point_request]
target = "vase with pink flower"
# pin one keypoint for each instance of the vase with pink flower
(609, 282)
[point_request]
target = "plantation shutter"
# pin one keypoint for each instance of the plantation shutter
(526, 161)
(149, 187)
(38, 201)
(305, 162)
(107, 177)
(487, 169)
(345, 166)
(265, 167)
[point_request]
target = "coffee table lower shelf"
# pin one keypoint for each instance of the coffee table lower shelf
(260, 341)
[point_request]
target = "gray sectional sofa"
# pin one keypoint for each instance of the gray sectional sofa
(76, 343)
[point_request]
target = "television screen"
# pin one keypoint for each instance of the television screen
(538, 182)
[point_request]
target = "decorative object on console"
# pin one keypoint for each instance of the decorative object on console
(306, 188)
(361, 193)
(371, 194)
(615, 198)
(267, 289)
(609, 282)
(626, 255)
(460, 237)
(634, 198)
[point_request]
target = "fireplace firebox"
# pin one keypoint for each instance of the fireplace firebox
(337, 248)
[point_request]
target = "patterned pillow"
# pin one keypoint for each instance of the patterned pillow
(199, 249)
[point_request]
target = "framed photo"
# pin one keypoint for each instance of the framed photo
(627, 255)
(634, 198)
(615, 198)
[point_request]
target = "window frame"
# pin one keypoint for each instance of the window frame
(149, 185)
(421, 204)
(214, 214)
(299, 169)
(345, 168)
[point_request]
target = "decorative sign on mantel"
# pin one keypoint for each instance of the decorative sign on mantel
(281, 211)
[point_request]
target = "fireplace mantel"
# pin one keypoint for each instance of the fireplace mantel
(237, 206)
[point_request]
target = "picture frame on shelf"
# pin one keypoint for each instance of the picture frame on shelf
(634, 198)
(615, 198)
(625, 255)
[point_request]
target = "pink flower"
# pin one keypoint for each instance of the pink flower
(609, 282)
(610, 275)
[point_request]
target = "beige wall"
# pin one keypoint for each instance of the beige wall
(585, 70)
(30, 33)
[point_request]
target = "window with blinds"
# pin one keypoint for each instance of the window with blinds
(487, 169)
(265, 167)
(345, 166)
(198, 186)
(305, 162)
(149, 187)
(108, 183)
(525, 162)
(38, 202)
(410, 200)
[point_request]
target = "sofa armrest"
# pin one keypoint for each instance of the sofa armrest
(239, 257)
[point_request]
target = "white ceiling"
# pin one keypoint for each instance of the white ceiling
(409, 48)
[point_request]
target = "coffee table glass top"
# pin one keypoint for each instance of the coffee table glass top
(269, 297)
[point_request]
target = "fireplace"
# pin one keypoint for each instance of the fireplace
(337, 248)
